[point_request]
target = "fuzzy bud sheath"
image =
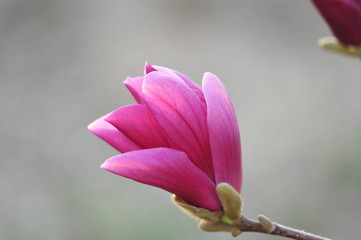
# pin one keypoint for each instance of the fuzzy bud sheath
(218, 221)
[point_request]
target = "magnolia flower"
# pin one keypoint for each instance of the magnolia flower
(344, 20)
(178, 137)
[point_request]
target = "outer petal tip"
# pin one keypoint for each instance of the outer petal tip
(92, 127)
(99, 126)
(209, 74)
(210, 78)
(111, 135)
(148, 68)
(109, 165)
(104, 166)
(134, 85)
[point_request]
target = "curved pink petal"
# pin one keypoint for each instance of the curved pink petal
(181, 115)
(170, 170)
(176, 75)
(223, 133)
(148, 68)
(111, 135)
(197, 89)
(134, 85)
(137, 123)
(170, 72)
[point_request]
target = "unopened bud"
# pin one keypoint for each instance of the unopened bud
(266, 223)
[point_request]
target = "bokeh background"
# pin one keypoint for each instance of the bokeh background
(62, 64)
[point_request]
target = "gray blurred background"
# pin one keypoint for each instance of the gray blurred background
(62, 64)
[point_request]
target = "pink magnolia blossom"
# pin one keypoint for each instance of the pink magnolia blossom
(344, 19)
(178, 137)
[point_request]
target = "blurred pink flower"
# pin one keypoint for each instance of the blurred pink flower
(344, 19)
(179, 137)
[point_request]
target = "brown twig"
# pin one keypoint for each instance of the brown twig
(268, 227)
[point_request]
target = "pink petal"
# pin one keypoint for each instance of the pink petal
(181, 115)
(176, 75)
(171, 73)
(111, 135)
(192, 85)
(137, 123)
(223, 132)
(170, 170)
(134, 85)
(148, 68)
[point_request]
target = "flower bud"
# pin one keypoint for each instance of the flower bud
(266, 223)
(343, 18)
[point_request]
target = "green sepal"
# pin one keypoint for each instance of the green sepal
(227, 220)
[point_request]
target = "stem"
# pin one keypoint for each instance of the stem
(249, 225)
